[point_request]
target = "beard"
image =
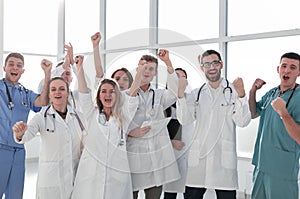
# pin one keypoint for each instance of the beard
(215, 78)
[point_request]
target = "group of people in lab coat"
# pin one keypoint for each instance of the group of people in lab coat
(119, 144)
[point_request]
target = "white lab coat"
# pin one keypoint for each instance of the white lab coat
(103, 171)
(59, 154)
(151, 158)
(213, 158)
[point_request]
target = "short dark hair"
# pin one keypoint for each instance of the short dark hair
(149, 58)
(207, 53)
(291, 55)
(15, 55)
(181, 69)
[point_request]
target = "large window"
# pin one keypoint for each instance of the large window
(82, 20)
(251, 35)
(256, 16)
(30, 26)
(194, 19)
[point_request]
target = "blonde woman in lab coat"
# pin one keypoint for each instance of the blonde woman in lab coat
(103, 171)
(62, 132)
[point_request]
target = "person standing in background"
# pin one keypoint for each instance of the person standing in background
(16, 101)
(277, 148)
(181, 137)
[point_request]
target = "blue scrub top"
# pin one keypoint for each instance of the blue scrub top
(276, 152)
(23, 101)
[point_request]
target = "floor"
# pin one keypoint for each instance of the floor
(31, 175)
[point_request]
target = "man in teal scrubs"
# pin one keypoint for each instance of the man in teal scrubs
(277, 147)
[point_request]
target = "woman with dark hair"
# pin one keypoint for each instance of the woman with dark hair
(103, 170)
(123, 77)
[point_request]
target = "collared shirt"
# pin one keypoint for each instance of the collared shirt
(23, 101)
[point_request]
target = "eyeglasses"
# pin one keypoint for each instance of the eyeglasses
(214, 63)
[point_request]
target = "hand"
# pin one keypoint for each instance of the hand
(139, 132)
(46, 66)
(182, 84)
(163, 55)
(19, 129)
(79, 61)
(238, 85)
(142, 66)
(258, 83)
(69, 56)
(279, 105)
(177, 144)
(96, 39)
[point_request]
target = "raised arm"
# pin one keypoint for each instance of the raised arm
(138, 78)
(69, 60)
(82, 84)
(43, 99)
(242, 116)
(258, 83)
(164, 56)
(97, 59)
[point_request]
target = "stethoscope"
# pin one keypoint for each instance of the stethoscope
(102, 121)
(227, 92)
(270, 97)
(53, 121)
(73, 99)
(25, 102)
(153, 100)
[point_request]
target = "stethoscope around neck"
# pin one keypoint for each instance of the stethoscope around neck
(53, 121)
(25, 102)
(269, 98)
(102, 121)
(152, 102)
(226, 91)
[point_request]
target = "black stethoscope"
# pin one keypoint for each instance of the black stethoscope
(53, 121)
(73, 99)
(25, 102)
(269, 98)
(153, 100)
(227, 92)
(102, 120)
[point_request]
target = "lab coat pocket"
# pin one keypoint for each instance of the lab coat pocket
(48, 175)
(228, 157)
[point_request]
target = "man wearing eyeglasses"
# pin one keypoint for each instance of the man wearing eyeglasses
(277, 148)
(15, 103)
(217, 107)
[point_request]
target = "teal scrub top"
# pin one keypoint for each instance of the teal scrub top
(276, 152)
